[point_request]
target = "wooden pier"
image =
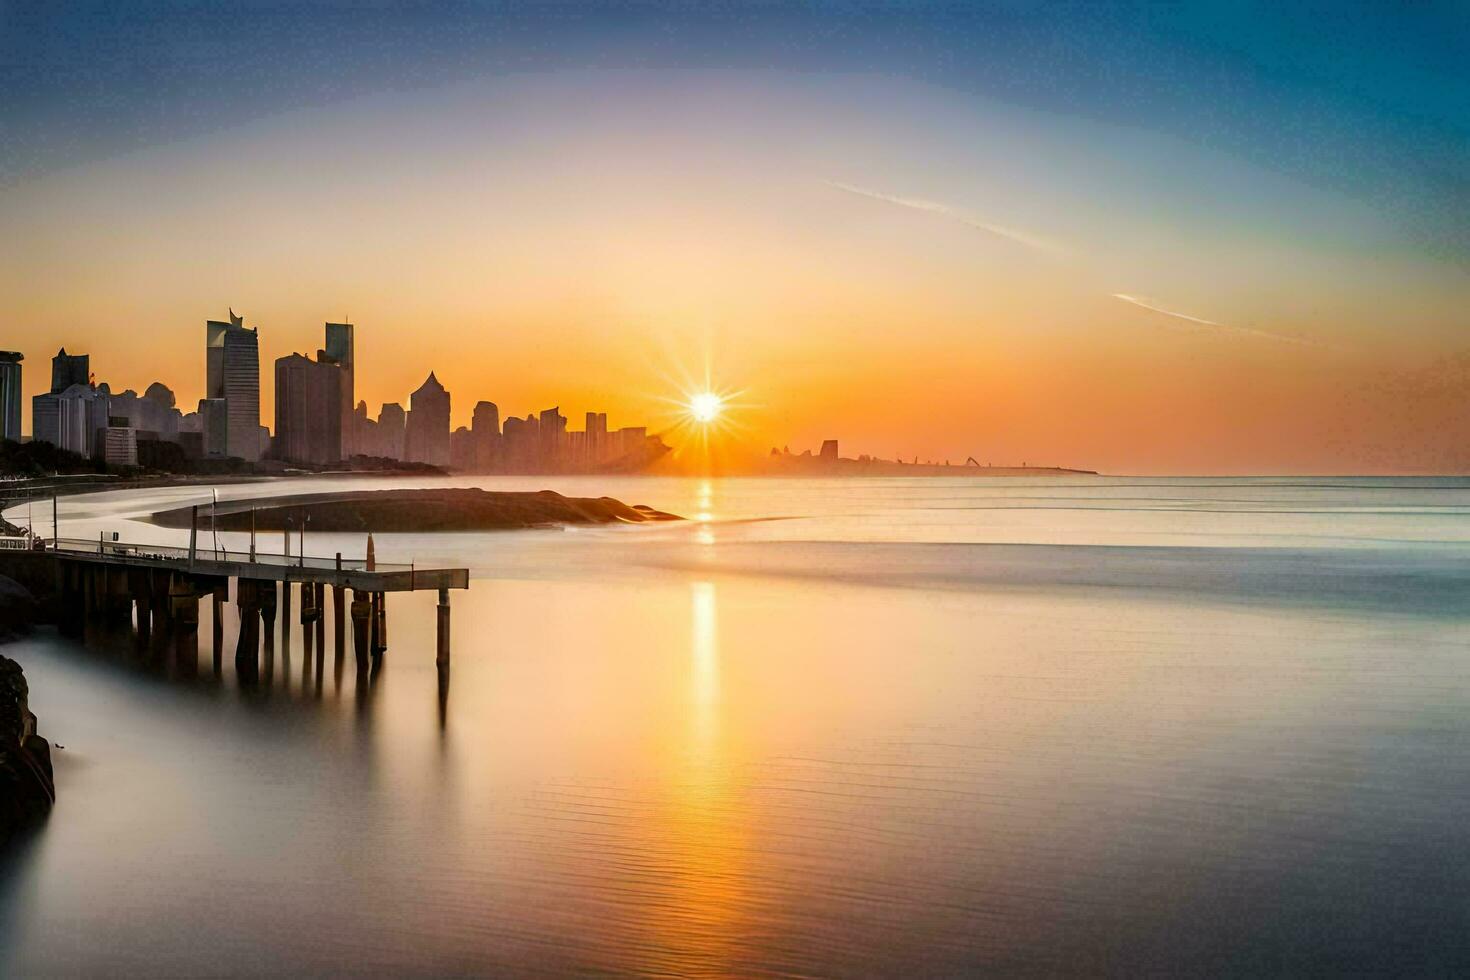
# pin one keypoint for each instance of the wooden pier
(161, 587)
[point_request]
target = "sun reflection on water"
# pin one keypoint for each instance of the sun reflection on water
(704, 512)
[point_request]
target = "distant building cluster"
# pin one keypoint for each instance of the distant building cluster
(318, 421)
(308, 431)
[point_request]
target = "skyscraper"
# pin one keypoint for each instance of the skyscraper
(232, 368)
(340, 350)
(486, 428)
(552, 437)
(462, 450)
(67, 372)
(83, 412)
(596, 437)
(214, 427)
(427, 433)
(391, 424)
(10, 394)
(46, 418)
(518, 444)
(308, 410)
(69, 369)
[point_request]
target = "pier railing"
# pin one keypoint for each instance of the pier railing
(156, 552)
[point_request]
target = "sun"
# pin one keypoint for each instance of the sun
(705, 407)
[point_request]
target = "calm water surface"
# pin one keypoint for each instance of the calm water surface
(824, 727)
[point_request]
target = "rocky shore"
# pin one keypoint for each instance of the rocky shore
(26, 787)
(387, 511)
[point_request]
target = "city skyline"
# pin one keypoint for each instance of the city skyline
(316, 423)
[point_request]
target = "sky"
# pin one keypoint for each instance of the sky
(1138, 238)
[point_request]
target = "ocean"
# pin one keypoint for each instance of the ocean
(822, 727)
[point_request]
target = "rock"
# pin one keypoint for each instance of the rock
(27, 789)
(443, 509)
(18, 610)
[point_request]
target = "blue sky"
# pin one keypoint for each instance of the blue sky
(1371, 99)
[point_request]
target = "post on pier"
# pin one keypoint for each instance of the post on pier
(319, 594)
(140, 587)
(247, 647)
(266, 593)
(339, 626)
(372, 598)
(193, 534)
(442, 658)
(380, 622)
(309, 613)
(161, 592)
(217, 626)
(286, 619)
(361, 625)
(183, 615)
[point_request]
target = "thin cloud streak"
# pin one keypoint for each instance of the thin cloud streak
(1041, 244)
(1153, 307)
(944, 210)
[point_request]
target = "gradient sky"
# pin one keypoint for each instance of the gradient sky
(1201, 239)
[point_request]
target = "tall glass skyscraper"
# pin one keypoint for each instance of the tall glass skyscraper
(232, 368)
(339, 351)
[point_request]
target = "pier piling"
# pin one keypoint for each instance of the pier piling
(319, 600)
(286, 619)
(339, 626)
(442, 656)
(361, 621)
(217, 627)
(247, 647)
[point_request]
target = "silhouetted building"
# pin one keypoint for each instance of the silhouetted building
(153, 415)
(69, 369)
(119, 443)
(829, 449)
(232, 369)
(10, 397)
(158, 413)
(486, 428)
(427, 430)
(308, 410)
(552, 438)
(214, 426)
(392, 431)
(462, 450)
(82, 414)
(340, 351)
(597, 443)
(574, 453)
(632, 441)
(520, 444)
(46, 418)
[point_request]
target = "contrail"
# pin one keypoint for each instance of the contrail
(1153, 307)
(944, 210)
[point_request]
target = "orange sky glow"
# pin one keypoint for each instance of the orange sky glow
(863, 259)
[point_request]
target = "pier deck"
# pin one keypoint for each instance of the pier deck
(351, 573)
